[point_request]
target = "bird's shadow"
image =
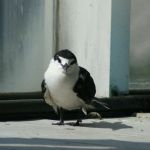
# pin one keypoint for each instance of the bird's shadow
(104, 124)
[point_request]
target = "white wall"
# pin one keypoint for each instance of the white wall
(84, 28)
(97, 31)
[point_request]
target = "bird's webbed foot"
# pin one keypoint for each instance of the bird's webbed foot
(93, 115)
(78, 122)
(58, 123)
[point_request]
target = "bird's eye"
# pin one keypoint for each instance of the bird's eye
(73, 62)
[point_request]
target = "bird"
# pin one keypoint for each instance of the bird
(67, 86)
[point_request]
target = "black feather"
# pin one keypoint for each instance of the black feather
(85, 86)
(65, 53)
(43, 88)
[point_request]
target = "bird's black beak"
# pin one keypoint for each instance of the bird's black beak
(65, 67)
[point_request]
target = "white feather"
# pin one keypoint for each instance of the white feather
(60, 86)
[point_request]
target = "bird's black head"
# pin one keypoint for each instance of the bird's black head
(65, 53)
(66, 59)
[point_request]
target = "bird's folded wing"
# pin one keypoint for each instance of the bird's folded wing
(85, 87)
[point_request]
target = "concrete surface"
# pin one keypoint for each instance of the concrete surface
(108, 134)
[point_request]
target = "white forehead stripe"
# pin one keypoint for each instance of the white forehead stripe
(64, 60)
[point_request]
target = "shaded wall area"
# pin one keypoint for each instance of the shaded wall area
(140, 44)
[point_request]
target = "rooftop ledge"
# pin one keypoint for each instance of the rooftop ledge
(31, 106)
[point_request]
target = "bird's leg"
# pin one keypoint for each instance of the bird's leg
(60, 112)
(61, 116)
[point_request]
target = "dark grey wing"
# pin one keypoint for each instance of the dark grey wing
(43, 87)
(85, 86)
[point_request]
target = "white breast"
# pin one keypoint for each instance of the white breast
(61, 86)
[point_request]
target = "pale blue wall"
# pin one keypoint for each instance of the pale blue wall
(24, 48)
(120, 45)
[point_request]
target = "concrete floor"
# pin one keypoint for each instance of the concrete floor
(108, 134)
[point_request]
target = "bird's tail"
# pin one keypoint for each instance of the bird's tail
(93, 105)
(97, 101)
